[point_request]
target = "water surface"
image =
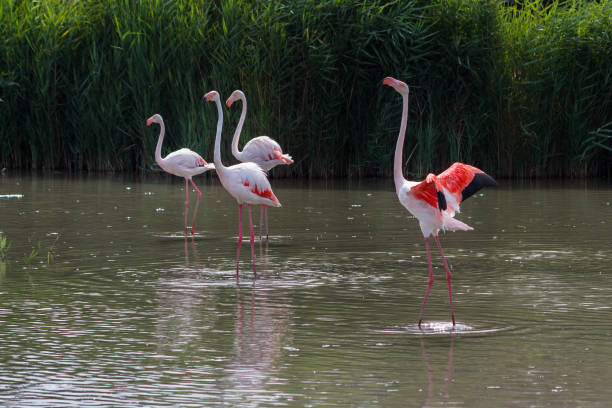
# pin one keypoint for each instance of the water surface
(115, 307)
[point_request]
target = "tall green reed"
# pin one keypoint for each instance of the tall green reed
(518, 91)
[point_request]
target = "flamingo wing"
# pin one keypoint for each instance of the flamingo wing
(263, 150)
(254, 179)
(260, 147)
(186, 159)
(458, 183)
(426, 191)
(447, 190)
(185, 163)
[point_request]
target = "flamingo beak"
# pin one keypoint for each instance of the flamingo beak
(149, 121)
(208, 97)
(229, 102)
(388, 81)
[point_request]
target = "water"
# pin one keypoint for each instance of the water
(117, 308)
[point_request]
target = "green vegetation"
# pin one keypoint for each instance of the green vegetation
(4, 247)
(37, 247)
(517, 91)
(29, 258)
(51, 250)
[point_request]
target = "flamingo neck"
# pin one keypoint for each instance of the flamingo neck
(238, 154)
(398, 175)
(217, 157)
(162, 131)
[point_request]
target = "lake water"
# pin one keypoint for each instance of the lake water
(115, 307)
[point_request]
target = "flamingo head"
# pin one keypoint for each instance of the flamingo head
(237, 94)
(212, 95)
(396, 84)
(154, 119)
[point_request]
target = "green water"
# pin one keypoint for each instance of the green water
(117, 308)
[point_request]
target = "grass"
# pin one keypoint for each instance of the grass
(4, 247)
(38, 247)
(519, 91)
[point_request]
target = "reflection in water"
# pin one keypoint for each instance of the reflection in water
(444, 388)
(193, 247)
(260, 333)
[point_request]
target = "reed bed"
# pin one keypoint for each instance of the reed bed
(521, 91)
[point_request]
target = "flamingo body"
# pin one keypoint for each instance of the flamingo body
(265, 152)
(435, 200)
(183, 163)
(248, 184)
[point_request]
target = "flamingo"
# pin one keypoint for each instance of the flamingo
(262, 150)
(246, 182)
(435, 200)
(183, 163)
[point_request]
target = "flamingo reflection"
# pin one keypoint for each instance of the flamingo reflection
(194, 250)
(182, 303)
(264, 246)
(260, 337)
(443, 392)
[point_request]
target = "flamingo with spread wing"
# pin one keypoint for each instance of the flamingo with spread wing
(435, 200)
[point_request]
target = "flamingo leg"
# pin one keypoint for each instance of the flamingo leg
(196, 206)
(266, 211)
(239, 237)
(186, 203)
(429, 282)
(261, 212)
(448, 279)
(252, 241)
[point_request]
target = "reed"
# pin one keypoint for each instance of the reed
(521, 91)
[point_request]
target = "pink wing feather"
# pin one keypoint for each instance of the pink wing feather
(454, 185)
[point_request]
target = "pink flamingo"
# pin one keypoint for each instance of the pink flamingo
(435, 200)
(246, 182)
(183, 163)
(262, 150)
